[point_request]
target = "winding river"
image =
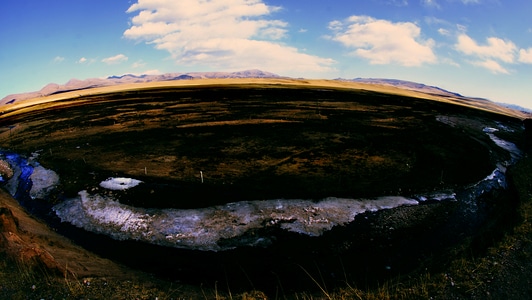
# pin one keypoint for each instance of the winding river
(227, 226)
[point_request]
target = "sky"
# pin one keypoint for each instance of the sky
(478, 48)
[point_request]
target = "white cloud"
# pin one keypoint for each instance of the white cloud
(431, 3)
(525, 56)
(138, 64)
(87, 61)
(431, 20)
(449, 61)
(221, 34)
(113, 60)
(384, 42)
(495, 48)
(147, 72)
(492, 66)
(490, 55)
(399, 3)
(461, 28)
(336, 25)
(152, 72)
(444, 32)
(58, 59)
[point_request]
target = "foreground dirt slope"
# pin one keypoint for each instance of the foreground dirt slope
(32, 242)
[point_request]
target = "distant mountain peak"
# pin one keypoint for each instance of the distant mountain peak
(126, 76)
(404, 84)
(76, 84)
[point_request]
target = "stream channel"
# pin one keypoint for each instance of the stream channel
(267, 244)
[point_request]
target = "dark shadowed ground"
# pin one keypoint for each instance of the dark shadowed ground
(257, 143)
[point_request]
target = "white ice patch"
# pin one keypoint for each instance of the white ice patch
(438, 196)
(119, 183)
(508, 146)
(43, 181)
(237, 224)
(204, 228)
(490, 130)
(102, 215)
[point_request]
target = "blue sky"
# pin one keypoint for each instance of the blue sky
(480, 48)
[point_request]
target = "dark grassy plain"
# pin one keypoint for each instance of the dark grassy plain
(258, 142)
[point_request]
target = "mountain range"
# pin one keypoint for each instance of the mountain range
(407, 85)
(76, 84)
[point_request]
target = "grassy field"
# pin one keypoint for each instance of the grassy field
(262, 140)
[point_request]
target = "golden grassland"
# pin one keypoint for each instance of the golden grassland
(66, 98)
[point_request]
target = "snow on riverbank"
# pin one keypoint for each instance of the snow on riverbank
(240, 223)
(204, 228)
(119, 183)
(508, 146)
(225, 226)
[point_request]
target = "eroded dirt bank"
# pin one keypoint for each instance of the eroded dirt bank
(30, 241)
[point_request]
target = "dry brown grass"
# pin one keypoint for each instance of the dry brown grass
(70, 98)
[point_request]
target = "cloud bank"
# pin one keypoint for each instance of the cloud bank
(490, 55)
(384, 42)
(525, 56)
(58, 59)
(113, 60)
(220, 34)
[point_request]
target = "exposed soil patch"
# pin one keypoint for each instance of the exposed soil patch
(32, 243)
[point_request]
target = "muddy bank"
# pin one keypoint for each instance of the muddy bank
(31, 242)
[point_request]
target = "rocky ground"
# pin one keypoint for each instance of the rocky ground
(261, 143)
